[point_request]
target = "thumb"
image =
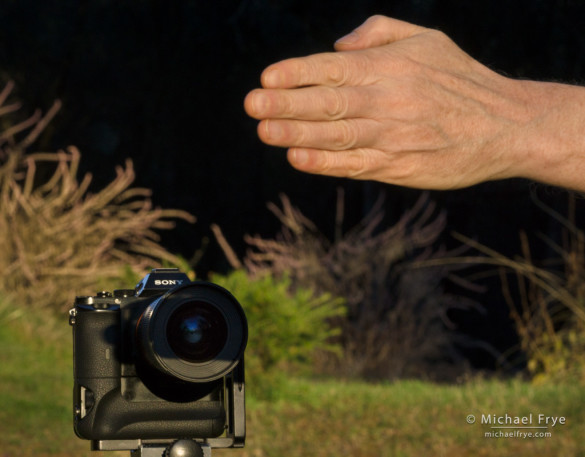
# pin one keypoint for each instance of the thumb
(377, 31)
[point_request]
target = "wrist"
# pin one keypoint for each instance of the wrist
(551, 145)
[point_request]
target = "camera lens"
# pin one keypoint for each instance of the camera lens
(197, 332)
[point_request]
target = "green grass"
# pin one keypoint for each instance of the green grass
(411, 418)
(35, 386)
(300, 418)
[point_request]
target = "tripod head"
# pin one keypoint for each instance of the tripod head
(180, 448)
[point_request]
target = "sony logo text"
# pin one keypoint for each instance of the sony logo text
(167, 282)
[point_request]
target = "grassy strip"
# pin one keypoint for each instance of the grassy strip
(411, 418)
(302, 417)
(35, 387)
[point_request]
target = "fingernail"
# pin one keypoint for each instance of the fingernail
(350, 38)
(260, 103)
(274, 130)
(299, 157)
(272, 78)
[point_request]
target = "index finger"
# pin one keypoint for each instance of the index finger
(327, 69)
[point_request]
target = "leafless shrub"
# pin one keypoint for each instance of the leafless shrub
(397, 321)
(546, 299)
(59, 239)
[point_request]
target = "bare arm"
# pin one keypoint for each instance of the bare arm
(402, 104)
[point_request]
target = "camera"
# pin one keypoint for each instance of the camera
(159, 369)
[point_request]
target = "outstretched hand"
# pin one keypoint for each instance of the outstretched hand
(403, 104)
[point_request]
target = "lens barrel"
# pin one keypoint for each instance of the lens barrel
(196, 332)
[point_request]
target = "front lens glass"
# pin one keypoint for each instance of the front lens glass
(197, 331)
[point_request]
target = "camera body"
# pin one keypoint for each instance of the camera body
(158, 363)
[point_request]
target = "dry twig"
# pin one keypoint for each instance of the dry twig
(59, 239)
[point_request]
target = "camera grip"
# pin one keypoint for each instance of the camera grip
(96, 342)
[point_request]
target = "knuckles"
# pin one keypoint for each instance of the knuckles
(344, 135)
(328, 69)
(335, 104)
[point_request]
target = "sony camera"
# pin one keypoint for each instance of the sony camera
(159, 369)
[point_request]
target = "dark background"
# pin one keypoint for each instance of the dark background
(163, 81)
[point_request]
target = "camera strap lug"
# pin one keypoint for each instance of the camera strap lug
(72, 316)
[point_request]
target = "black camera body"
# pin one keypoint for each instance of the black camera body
(159, 363)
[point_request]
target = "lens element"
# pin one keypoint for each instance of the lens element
(197, 332)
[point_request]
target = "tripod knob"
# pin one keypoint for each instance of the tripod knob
(184, 448)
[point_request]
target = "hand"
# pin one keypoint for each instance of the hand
(403, 104)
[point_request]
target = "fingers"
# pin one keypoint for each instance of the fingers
(336, 69)
(372, 164)
(319, 103)
(332, 135)
(356, 164)
(327, 69)
(377, 31)
(330, 163)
